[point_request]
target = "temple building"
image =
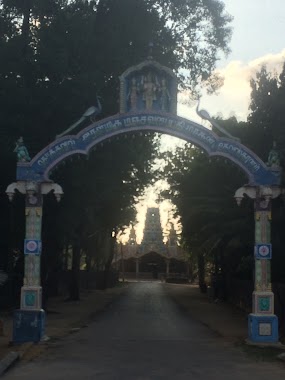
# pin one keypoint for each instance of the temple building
(153, 258)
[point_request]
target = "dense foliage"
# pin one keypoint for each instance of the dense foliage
(218, 234)
(56, 57)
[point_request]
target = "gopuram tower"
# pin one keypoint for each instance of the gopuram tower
(152, 234)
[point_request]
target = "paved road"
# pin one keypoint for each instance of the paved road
(144, 336)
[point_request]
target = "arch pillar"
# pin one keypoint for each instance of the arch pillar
(29, 320)
(262, 322)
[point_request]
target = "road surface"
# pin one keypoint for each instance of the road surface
(145, 336)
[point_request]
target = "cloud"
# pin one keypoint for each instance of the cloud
(234, 96)
(273, 62)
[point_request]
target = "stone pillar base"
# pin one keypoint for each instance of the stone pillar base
(263, 328)
(28, 326)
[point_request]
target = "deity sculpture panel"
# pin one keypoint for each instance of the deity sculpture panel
(148, 87)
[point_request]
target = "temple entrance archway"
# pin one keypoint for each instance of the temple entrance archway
(148, 100)
(153, 263)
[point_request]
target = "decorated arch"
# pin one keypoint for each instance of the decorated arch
(40, 167)
(148, 101)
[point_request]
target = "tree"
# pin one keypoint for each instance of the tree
(100, 193)
(266, 126)
(204, 200)
(201, 32)
(263, 119)
(57, 55)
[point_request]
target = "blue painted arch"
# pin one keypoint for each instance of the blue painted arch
(38, 169)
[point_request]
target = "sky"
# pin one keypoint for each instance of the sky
(257, 39)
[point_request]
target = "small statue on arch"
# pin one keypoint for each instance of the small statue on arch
(149, 90)
(164, 95)
(274, 157)
(133, 94)
(22, 151)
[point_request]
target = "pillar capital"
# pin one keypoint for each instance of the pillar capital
(30, 188)
(258, 192)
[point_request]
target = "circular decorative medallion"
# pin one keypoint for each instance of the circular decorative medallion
(263, 250)
(33, 200)
(32, 245)
(263, 204)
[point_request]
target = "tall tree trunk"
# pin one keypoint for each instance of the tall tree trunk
(27, 71)
(74, 293)
(109, 251)
(201, 273)
(65, 257)
(26, 27)
(190, 271)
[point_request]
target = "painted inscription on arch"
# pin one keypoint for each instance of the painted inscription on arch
(44, 161)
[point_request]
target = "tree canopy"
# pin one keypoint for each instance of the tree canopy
(56, 57)
(202, 190)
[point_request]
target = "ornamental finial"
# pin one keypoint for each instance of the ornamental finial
(150, 50)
